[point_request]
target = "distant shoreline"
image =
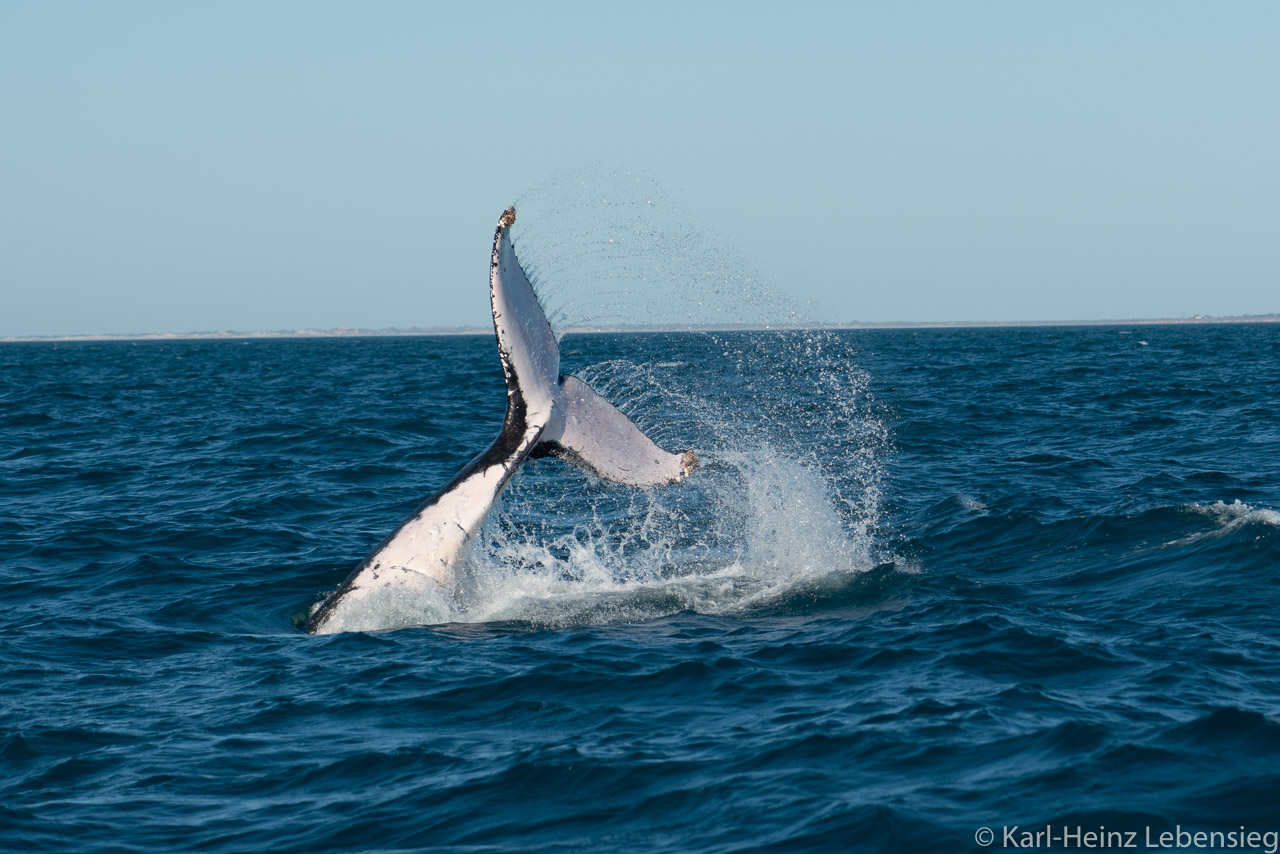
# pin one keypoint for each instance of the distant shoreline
(418, 332)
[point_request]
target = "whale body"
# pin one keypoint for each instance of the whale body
(547, 414)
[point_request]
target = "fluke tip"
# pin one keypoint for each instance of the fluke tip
(688, 463)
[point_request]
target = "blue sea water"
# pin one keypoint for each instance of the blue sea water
(926, 581)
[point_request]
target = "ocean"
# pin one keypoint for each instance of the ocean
(927, 586)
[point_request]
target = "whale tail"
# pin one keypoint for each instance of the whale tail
(578, 425)
(547, 414)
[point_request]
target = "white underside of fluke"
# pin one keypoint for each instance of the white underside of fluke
(561, 416)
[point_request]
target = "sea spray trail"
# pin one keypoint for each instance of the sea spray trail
(612, 248)
(1079, 625)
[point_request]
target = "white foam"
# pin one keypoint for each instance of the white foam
(1229, 518)
(409, 599)
(775, 529)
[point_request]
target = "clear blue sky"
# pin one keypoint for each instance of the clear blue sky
(199, 166)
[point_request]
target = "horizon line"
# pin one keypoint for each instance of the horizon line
(416, 331)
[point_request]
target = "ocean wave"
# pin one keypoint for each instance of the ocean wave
(1228, 518)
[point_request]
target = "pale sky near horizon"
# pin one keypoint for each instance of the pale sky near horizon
(247, 166)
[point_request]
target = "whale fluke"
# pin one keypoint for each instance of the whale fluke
(597, 437)
(547, 415)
